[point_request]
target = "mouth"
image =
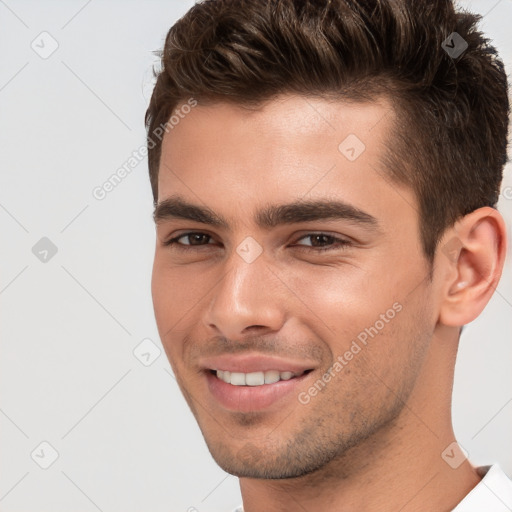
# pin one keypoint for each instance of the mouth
(250, 385)
(254, 379)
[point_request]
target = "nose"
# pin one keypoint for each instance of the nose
(247, 301)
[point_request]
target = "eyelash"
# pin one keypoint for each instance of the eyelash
(340, 242)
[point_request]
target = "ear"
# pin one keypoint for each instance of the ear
(471, 256)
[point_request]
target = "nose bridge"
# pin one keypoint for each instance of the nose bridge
(244, 297)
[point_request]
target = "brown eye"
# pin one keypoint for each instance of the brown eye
(194, 239)
(323, 242)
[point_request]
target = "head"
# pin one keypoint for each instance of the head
(280, 128)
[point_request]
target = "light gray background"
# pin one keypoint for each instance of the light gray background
(125, 439)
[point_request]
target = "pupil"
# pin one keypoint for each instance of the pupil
(322, 238)
(197, 237)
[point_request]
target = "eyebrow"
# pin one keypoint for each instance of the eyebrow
(270, 216)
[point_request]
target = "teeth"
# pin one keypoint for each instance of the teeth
(255, 378)
(237, 379)
(272, 376)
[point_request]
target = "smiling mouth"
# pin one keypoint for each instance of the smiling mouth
(256, 378)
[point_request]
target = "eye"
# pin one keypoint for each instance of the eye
(321, 242)
(195, 239)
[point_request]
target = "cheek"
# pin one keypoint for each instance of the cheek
(162, 299)
(339, 302)
(175, 291)
(394, 341)
(378, 364)
(172, 303)
(373, 320)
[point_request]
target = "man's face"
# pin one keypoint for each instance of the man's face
(260, 298)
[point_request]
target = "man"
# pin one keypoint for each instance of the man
(325, 176)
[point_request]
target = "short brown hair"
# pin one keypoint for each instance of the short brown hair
(450, 142)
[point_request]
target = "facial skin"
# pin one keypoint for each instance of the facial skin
(385, 415)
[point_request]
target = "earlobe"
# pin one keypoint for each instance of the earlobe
(472, 261)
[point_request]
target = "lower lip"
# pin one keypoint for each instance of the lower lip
(251, 398)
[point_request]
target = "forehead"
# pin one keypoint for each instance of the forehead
(287, 121)
(292, 147)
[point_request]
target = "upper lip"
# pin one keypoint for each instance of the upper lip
(249, 363)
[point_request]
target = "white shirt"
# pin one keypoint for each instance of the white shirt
(492, 494)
